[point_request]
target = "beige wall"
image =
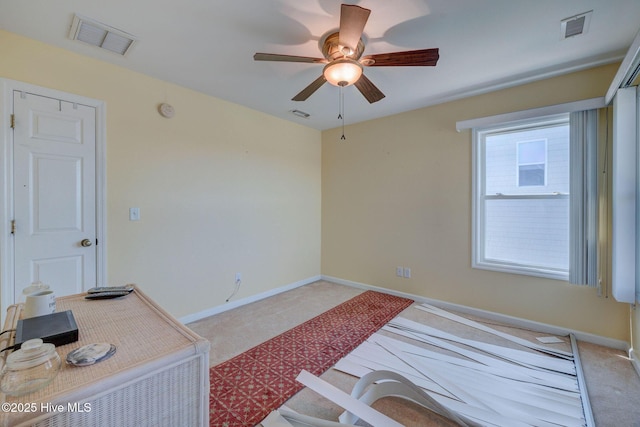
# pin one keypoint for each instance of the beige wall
(398, 193)
(221, 188)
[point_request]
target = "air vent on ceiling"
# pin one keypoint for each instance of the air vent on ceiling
(300, 114)
(575, 25)
(98, 34)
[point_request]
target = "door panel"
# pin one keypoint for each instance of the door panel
(55, 127)
(66, 269)
(54, 193)
(56, 199)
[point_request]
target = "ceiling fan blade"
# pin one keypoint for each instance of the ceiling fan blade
(422, 57)
(352, 21)
(308, 91)
(287, 58)
(368, 89)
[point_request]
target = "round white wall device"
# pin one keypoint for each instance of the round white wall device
(166, 110)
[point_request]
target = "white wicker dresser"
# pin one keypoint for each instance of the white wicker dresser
(159, 375)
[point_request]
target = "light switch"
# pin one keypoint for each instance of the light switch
(134, 214)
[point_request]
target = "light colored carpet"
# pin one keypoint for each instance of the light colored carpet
(612, 383)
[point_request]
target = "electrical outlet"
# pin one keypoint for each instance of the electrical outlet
(407, 273)
(399, 271)
(238, 277)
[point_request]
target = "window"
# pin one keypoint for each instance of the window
(540, 199)
(532, 162)
(522, 197)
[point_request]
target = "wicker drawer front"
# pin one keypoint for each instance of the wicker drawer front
(142, 404)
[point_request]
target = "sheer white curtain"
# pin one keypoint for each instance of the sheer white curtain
(583, 210)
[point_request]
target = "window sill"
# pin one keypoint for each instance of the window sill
(522, 270)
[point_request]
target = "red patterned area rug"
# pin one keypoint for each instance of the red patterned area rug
(246, 388)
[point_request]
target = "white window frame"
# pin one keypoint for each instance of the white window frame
(478, 169)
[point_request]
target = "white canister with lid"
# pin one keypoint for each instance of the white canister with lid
(39, 300)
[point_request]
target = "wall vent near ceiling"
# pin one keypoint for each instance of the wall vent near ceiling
(575, 25)
(98, 34)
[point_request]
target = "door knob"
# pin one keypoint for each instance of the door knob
(86, 243)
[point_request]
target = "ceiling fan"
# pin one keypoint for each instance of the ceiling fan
(342, 53)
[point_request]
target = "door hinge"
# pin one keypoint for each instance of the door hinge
(13, 226)
(13, 121)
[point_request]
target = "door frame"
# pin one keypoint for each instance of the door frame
(7, 290)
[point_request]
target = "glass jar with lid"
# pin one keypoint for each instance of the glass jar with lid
(30, 368)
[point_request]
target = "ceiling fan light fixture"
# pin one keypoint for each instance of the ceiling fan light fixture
(342, 72)
(342, 51)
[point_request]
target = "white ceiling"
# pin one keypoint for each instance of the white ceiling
(208, 46)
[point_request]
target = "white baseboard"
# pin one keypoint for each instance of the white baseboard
(503, 318)
(253, 298)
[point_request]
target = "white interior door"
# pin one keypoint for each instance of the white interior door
(54, 189)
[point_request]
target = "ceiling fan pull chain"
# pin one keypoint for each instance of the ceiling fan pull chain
(340, 104)
(341, 113)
